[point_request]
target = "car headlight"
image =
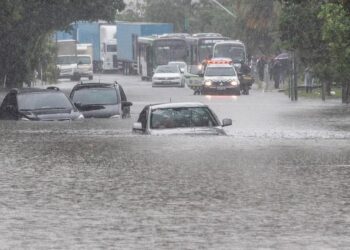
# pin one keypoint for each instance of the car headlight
(200, 66)
(234, 83)
(115, 116)
(207, 83)
(81, 117)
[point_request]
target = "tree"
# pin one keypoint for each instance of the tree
(336, 33)
(26, 24)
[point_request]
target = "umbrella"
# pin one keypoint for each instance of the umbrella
(283, 56)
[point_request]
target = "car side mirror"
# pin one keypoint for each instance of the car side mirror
(126, 104)
(226, 122)
(182, 71)
(137, 126)
(77, 104)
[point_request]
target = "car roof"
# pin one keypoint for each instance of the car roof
(94, 85)
(33, 90)
(219, 65)
(176, 62)
(177, 105)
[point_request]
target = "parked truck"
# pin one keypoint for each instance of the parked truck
(84, 60)
(67, 58)
(100, 35)
(127, 40)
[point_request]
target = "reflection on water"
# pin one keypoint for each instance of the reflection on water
(95, 185)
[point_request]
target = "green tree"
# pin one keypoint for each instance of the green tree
(26, 24)
(336, 33)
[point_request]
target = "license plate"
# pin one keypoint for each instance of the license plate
(221, 88)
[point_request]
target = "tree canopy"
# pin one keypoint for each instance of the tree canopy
(25, 27)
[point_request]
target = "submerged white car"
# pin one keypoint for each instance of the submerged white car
(168, 76)
(179, 118)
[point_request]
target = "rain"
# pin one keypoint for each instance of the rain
(277, 178)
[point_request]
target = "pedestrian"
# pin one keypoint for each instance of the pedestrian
(308, 80)
(276, 72)
(260, 67)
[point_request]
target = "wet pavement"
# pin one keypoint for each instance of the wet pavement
(279, 180)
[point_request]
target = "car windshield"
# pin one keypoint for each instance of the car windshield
(65, 60)
(84, 60)
(183, 117)
(220, 71)
(179, 64)
(43, 100)
(167, 69)
(89, 96)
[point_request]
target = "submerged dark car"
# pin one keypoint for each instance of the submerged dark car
(101, 100)
(38, 105)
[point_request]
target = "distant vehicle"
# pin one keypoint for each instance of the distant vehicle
(181, 65)
(33, 104)
(168, 76)
(179, 118)
(110, 55)
(101, 100)
(220, 78)
(201, 48)
(160, 50)
(233, 49)
(100, 34)
(67, 59)
(84, 60)
(128, 47)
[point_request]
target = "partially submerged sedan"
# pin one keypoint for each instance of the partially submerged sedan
(32, 104)
(179, 118)
(101, 100)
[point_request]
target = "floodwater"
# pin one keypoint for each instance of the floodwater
(86, 185)
(279, 180)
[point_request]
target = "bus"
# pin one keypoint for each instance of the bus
(233, 49)
(201, 48)
(160, 50)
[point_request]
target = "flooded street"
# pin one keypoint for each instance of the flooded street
(279, 180)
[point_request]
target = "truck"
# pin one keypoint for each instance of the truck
(127, 40)
(67, 58)
(84, 60)
(100, 34)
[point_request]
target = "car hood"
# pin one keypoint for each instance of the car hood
(221, 78)
(51, 115)
(189, 131)
(100, 111)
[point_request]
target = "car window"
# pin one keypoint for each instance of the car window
(84, 60)
(88, 96)
(182, 117)
(168, 69)
(43, 100)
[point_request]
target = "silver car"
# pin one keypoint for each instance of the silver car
(179, 118)
(168, 76)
